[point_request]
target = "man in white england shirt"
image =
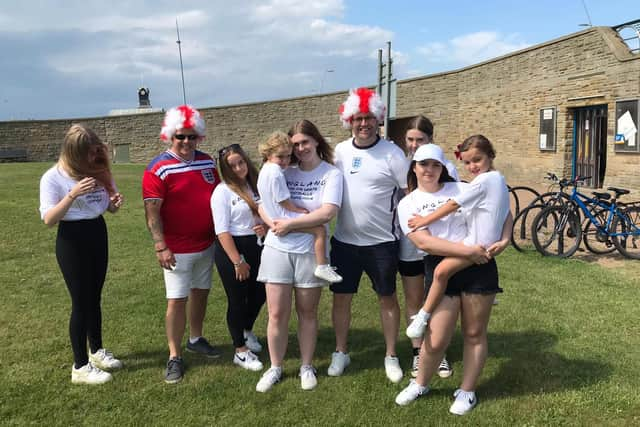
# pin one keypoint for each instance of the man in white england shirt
(366, 234)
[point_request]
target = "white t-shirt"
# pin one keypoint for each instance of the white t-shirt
(55, 184)
(372, 178)
(231, 214)
(486, 206)
(408, 251)
(452, 227)
(272, 187)
(309, 190)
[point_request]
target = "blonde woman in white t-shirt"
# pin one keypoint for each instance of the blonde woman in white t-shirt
(74, 194)
(289, 260)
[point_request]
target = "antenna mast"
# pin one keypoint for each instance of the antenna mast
(184, 95)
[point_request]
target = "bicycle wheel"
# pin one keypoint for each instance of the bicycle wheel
(521, 232)
(626, 229)
(556, 231)
(595, 239)
(521, 197)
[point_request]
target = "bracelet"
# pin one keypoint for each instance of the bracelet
(162, 250)
(237, 264)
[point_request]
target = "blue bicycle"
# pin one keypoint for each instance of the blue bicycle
(557, 230)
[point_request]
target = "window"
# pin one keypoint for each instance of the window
(547, 136)
(626, 138)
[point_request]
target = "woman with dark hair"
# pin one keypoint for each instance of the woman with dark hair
(237, 251)
(288, 259)
(410, 265)
(74, 194)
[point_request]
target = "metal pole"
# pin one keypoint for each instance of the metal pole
(184, 94)
(387, 123)
(380, 76)
(587, 12)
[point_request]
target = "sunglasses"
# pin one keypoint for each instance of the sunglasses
(225, 150)
(189, 137)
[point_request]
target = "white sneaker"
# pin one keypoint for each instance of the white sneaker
(89, 374)
(247, 360)
(411, 393)
(251, 341)
(416, 327)
(269, 378)
(414, 365)
(465, 402)
(327, 272)
(104, 359)
(339, 361)
(444, 370)
(392, 368)
(308, 379)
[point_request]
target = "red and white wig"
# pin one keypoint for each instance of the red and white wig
(361, 100)
(182, 117)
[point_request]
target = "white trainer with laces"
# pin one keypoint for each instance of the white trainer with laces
(269, 379)
(339, 361)
(251, 341)
(465, 402)
(328, 273)
(89, 374)
(308, 380)
(104, 359)
(411, 393)
(247, 360)
(392, 369)
(417, 326)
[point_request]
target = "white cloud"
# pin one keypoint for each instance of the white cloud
(253, 51)
(470, 49)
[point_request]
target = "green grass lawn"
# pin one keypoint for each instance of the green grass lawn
(564, 342)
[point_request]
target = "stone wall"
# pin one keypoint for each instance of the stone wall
(500, 98)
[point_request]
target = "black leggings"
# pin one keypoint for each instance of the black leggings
(82, 254)
(246, 298)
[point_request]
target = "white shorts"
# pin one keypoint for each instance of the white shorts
(192, 271)
(289, 269)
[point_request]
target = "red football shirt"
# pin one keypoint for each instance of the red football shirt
(185, 189)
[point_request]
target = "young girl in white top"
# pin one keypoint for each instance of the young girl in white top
(486, 206)
(237, 250)
(74, 194)
(276, 199)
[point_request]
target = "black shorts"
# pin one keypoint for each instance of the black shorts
(380, 262)
(411, 268)
(476, 279)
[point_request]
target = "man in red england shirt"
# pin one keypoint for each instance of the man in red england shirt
(177, 187)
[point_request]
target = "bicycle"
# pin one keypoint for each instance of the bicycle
(557, 230)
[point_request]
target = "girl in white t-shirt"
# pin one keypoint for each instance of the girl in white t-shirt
(486, 207)
(74, 194)
(276, 198)
(237, 250)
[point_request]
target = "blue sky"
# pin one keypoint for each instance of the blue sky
(83, 58)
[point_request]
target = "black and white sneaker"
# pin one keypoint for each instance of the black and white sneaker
(202, 346)
(465, 402)
(247, 360)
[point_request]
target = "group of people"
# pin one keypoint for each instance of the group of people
(267, 233)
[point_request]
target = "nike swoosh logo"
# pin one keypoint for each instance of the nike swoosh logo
(244, 359)
(352, 172)
(471, 401)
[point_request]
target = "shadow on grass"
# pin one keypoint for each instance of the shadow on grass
(141, 360)
(527, 365)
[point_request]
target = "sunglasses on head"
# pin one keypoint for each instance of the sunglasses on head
(225, 150)
(189, 137)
